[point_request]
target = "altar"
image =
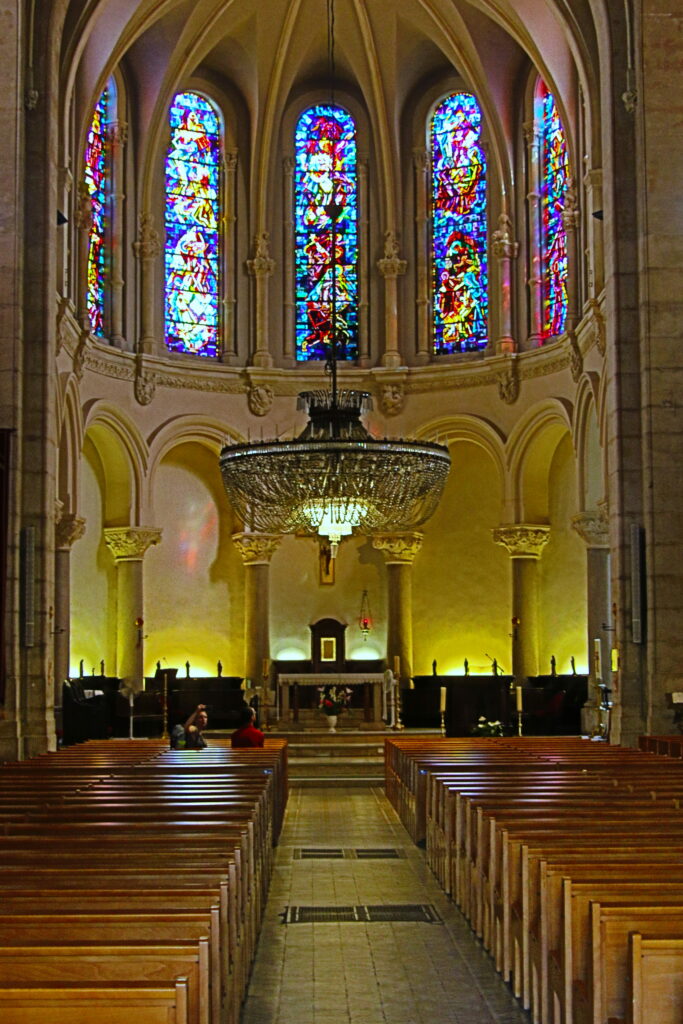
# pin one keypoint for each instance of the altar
(288, 685)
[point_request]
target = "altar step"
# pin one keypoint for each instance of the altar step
(341, 758)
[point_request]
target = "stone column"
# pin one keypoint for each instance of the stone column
(229, 348)
(261, 267)
(147, 249)
(117, 133)
(422, 260)
(592, 527)
(288, 272)
(83, 219)
(391, 267)
(533, 198)
(505, 250)
(68, 529)
(256, 550)
(570, 220)
(594, 249)
(525, 543)
(400, 550)
(128, 545)
(363, 266)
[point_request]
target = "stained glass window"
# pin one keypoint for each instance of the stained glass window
(97, 173)
(191, 221)
(554, 173)
(459, 257)
(325, 174)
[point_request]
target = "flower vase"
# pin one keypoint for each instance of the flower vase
(332, 723)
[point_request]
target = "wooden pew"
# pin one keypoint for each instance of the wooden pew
(655, 979)
(102, 962)
(107, 1003)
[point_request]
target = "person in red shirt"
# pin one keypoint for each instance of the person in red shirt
(247, 735)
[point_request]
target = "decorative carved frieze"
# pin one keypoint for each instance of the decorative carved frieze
(261, 264)
(593, 527)
(144, 385)
(392, 398)
(129, 543)
(68, 529)
(398, 547)
(522, 540)
(575, 357)
(148, 244)
(508, 383)
(391, 265)
(256, 548)
(260, 399)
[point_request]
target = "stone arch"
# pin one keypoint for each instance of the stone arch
(530, 449)
(124, 458)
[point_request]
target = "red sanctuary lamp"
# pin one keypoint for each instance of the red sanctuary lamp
(365, 618)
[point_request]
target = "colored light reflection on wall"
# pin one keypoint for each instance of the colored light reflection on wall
(196, 533)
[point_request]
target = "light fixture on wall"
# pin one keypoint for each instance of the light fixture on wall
(365, 617)
(335, 477)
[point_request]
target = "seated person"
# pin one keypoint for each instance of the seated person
(194, 728)
(247, 735)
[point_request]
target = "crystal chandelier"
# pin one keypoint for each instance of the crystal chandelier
(335, 478)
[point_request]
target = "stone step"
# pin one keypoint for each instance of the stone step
(336, 750)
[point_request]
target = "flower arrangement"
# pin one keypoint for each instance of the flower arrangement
(334, 699)
(486, 728)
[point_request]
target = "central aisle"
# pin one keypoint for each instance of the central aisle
(365, 973)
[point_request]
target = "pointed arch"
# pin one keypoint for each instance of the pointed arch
(192, 217)
(459, 228)
(97, 178)
(326, 187)
(554, 182)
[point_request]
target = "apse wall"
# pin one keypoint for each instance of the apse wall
(194, 597)
(461, 579)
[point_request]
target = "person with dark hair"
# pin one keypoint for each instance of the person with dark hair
(247, 735)
(194, 727)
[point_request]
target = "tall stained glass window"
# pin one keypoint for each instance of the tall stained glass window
(459, 257)
(325, 174)
(191, 221)
(554, 174)
(97, 178)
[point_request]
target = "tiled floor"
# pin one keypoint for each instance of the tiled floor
(399, 973)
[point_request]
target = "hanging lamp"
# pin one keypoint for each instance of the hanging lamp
(334, 478)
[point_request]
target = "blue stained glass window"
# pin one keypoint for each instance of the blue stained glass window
(97, 175)
(325, 173)
(554, 180)
(459, 256)
(191, 221)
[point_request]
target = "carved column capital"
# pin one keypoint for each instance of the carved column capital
(398, 548)
(230, 159)
(522, 540)
(83, 211)
(129, 543)
(420, 159)
(570, 213)
(503, 246)
(593, 527)
(148, 244)
(261, 264)
(256, 548)
(117, 133)
(391, 265)
(68, 529)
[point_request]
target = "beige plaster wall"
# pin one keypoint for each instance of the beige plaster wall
(562, 578)
(194, 591)
(461, 579)
(93, 577)
(298, 599)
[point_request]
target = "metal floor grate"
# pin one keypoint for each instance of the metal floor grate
(320, 853)
(418, 913)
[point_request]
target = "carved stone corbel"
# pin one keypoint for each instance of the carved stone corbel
(508, 382)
